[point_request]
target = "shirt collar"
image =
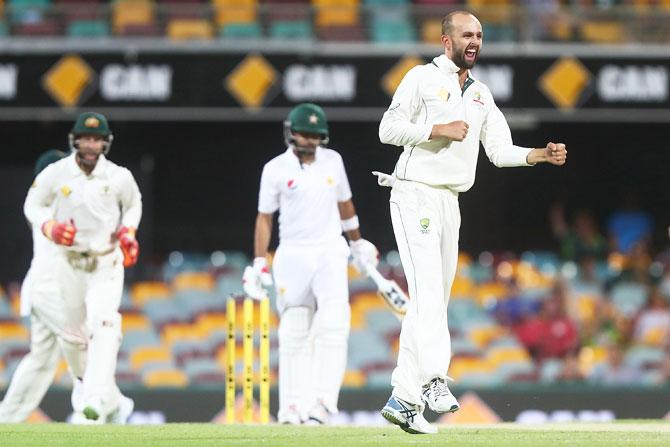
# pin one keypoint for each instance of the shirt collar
(99, 169)
(445, 64)
(318, 151)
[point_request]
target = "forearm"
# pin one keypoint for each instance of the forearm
(400, 132)
(348, 214)
(262, 234)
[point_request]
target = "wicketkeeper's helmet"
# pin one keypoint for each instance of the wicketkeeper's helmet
(306, 118)
(91, 123)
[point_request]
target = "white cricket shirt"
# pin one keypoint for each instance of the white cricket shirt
(431, 94)
(98, 203)
(306, 196)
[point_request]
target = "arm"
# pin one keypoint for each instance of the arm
(397, 126)
(347, 213)
(37, 206)
(262, 234)
(131, 203)
(497, 140)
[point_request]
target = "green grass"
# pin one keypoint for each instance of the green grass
(627, 433)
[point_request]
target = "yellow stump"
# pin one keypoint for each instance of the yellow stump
(230, 362)
(248, 349)
(265, 360)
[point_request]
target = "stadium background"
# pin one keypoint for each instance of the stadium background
(197, 144)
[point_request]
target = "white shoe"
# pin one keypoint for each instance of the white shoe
(407, 416)
(319, 414)
(78, 418)
(123, 412)
(437, 396)
(289, 416)
(93, 410)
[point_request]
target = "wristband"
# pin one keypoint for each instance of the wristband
(351, 223)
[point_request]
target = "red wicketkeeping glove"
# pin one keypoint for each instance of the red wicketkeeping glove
(61, 233)
(129, 246)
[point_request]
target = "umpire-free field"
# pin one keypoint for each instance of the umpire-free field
(626, 433)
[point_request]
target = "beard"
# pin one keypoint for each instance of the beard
(458, 58)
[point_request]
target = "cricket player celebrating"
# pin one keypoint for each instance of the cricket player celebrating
(439, 113)
(90, 208)
(309, 186)
(51, 333)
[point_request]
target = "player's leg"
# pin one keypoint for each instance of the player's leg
(103, 321)
(416, 216)
(292, 274)
(436, 393)
(330, 330)
(33, 375)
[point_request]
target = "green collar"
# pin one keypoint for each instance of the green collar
(468, 82)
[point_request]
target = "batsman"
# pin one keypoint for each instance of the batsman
(309, 187)
(90, 208)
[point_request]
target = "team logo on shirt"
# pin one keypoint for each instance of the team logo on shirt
(477, 97)
(425, 223)
(330, 181)
(292, 184)
(443, 94)
(66, 191)
(105, 190)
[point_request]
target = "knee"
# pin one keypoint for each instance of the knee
(294, 326)
(332, 320)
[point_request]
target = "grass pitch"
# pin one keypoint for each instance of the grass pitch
(628, 433)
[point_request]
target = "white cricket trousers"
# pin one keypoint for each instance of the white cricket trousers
(94, 297)
(315, 317)
(51, 333)
(425, 221)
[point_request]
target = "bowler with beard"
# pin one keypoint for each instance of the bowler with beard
(439, 114)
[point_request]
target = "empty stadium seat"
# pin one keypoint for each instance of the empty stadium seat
(334, 13)
(291, 29)
(133, 17)
(172, 378)
(393, 31)
(185, 29)
(235, 11)
(251, 30)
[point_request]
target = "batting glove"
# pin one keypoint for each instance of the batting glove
(129, 246)
(256, 278)
(364, 254)
(61, 233)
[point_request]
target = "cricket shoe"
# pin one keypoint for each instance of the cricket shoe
(319, 414)
(290, 416)
(407, 416)
(123, 412)
(437, 396)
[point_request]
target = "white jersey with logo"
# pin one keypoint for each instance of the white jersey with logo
(98, 203)
(306, 196)
(431, 94)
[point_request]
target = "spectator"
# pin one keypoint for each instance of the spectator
(552, 333)
(580, 241)
(652, 324)
(615, 371)
(629, 227)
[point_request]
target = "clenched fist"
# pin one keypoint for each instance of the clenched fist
(456, 130)
(556, 153)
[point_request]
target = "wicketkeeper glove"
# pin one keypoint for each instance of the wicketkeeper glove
(256, 278)
(364, 254)
(129, 246)
(61, 233)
